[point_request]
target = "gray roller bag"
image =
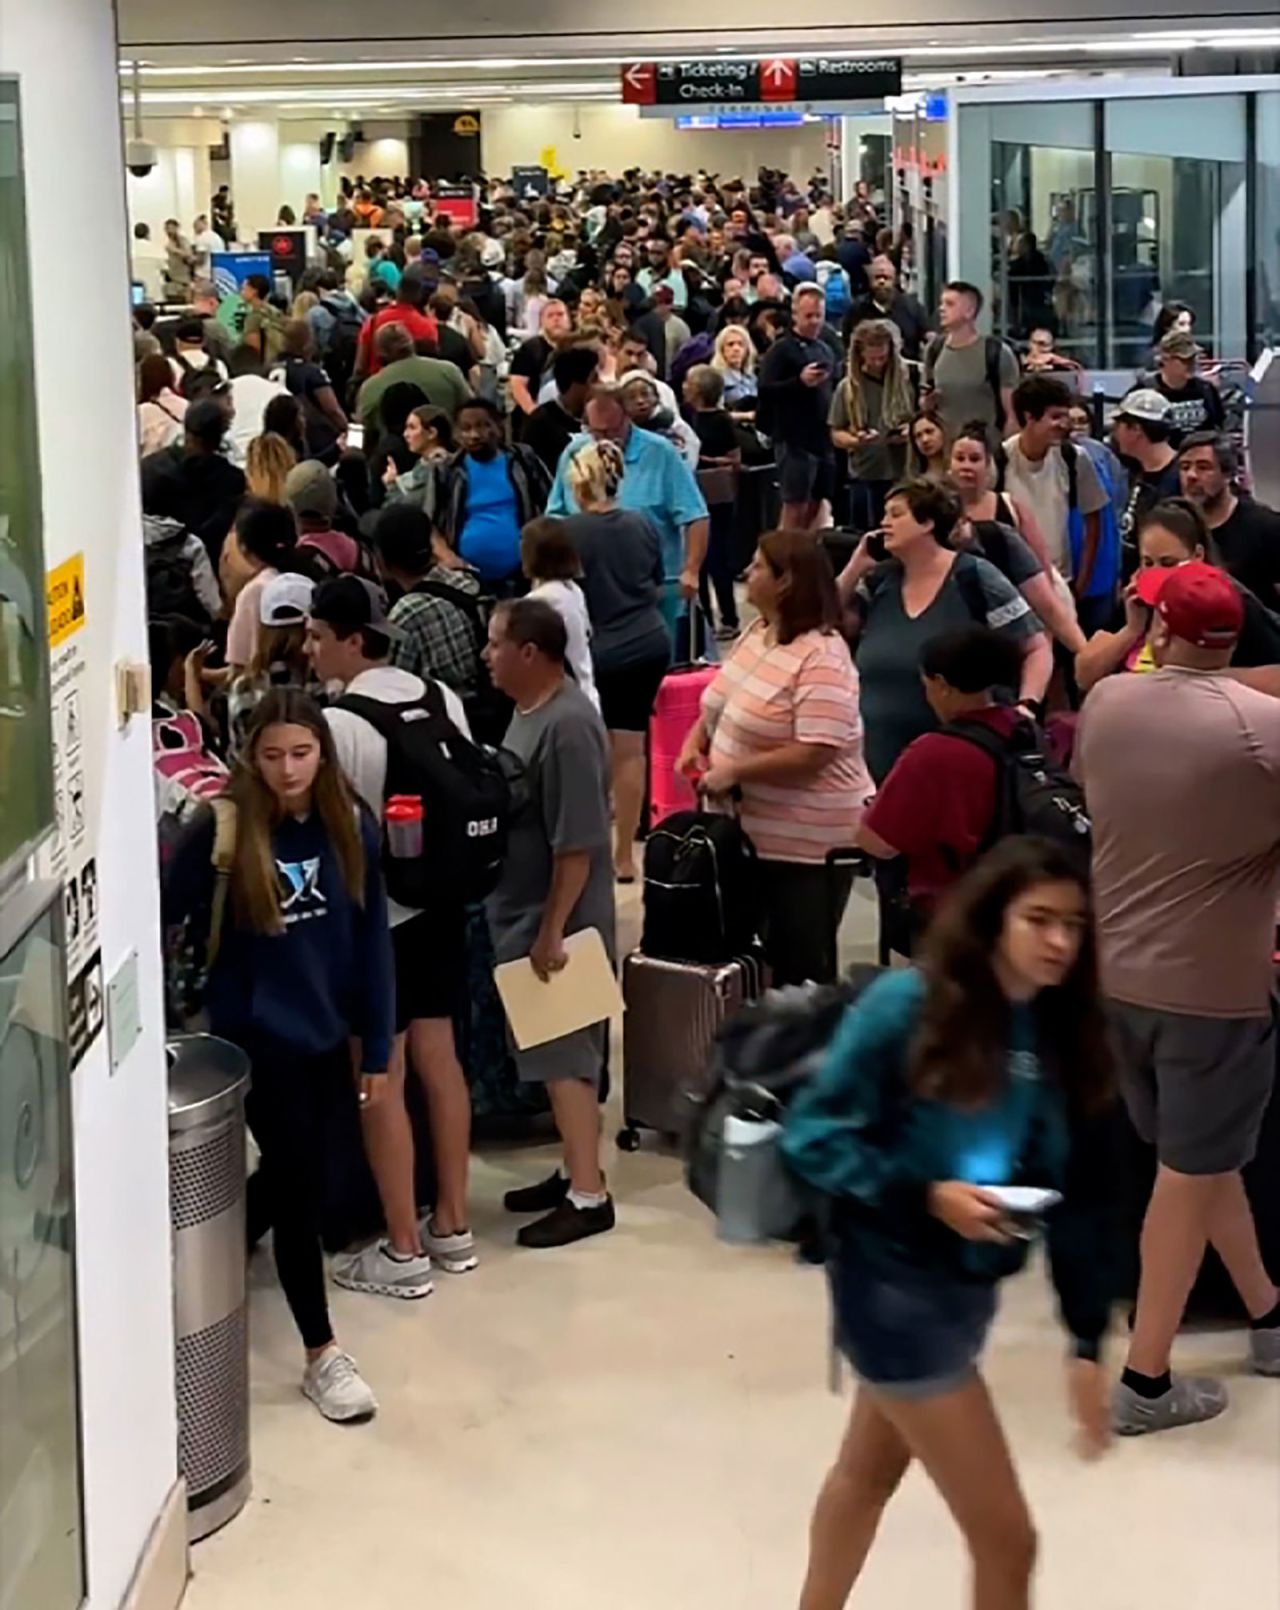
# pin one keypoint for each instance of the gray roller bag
(674, 1012)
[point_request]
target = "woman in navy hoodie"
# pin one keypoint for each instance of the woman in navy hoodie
(984, 1067)
(287, 867)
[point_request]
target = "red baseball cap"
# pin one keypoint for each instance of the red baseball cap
(1197, 602)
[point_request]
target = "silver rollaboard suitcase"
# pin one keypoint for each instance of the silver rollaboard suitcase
(674, 1010)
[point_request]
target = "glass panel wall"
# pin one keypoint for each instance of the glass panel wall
(1266, 187)
(26, 746)
(1044, 264)
(41, 1523)
(1087, 217)
(1177, 219)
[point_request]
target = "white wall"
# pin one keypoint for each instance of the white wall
(555, 22)
(64, 54)
(384, 152)
(616, 137)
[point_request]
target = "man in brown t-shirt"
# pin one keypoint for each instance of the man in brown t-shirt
(1181, 770)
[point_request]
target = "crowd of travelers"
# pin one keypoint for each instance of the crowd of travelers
(425, 541)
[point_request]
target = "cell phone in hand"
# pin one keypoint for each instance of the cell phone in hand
(875, 546)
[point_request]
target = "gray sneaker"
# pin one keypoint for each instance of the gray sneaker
(1264, 1350)
(336, 1387)
(455, 1254)
(1190, 1399)
(374, 1270)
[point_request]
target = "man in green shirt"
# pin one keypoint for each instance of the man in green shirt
(441, 382)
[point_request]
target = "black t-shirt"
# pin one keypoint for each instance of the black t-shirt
(531, 361)
(1146, 489)
(1249, 543)
(1197, 406)
(790, 411)
(304, 380)
(715, 433)
(454, 348)
(904, 311)
(548, 430)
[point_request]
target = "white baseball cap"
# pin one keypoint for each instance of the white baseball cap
(1147, 406)
(286, 600)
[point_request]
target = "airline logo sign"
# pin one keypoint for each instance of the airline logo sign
(826, 81)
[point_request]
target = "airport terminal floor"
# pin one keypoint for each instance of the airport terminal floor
(641, 1422)
(715, 575)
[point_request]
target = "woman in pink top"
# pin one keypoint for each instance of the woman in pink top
(780, 723)
(264, 539)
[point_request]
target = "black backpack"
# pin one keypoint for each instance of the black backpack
(466, 801)
(993, 352)
(700, 894)
(171, 588)
(343, 344)
(1033, 793)
(488, 710)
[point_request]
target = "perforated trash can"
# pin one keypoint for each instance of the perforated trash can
(207, 1082)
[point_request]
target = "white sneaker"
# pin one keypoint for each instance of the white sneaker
(337, 1388)
(455, 1254)
(375, 1270)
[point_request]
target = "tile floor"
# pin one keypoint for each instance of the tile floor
(641, 1422)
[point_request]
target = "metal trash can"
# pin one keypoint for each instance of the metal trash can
(207, 1081)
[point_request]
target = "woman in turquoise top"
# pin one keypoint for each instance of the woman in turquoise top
(985, 1066)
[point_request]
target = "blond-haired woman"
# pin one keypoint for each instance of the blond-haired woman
(734, 357)
(871, 410)
(621, 556)
(267, 465)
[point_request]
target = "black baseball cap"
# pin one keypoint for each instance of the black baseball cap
(350, 602)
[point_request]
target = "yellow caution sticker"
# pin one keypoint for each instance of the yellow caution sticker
(65, 591)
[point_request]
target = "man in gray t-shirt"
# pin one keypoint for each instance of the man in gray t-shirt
(557, 880)
(968, 376)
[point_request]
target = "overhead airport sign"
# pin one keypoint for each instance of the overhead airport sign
(821, 81)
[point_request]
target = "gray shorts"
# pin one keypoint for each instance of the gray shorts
(1196, 1087)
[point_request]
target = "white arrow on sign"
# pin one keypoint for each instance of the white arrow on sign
(775, 72)
(636, 76)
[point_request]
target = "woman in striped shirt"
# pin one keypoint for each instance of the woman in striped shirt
(780, 723)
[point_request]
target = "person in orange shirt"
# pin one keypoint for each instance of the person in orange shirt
(367, 210)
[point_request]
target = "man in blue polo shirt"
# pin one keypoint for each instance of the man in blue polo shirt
(656, 482)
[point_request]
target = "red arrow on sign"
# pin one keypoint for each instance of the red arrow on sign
(640, 84)
(778, 79)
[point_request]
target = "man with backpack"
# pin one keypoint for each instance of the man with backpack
(952, 794)
(180, 579)
(968, 376)
(1046, 473)
(405, 747)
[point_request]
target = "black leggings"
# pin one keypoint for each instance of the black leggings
(287, 1107)
(717, 567)
(803, 904)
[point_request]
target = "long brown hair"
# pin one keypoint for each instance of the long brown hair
(279, 645)
(810, 602)
(960, 1051)
(255, 883)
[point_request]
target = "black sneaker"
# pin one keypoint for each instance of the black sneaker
(567, 1224)
(539, 1198)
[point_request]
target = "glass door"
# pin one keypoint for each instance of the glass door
(1044, 259)
(26, 750)
(41, 1519)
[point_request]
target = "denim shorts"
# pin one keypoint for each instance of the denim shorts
(909, 1333)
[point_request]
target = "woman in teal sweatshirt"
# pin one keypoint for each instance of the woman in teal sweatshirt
(985, 1066)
